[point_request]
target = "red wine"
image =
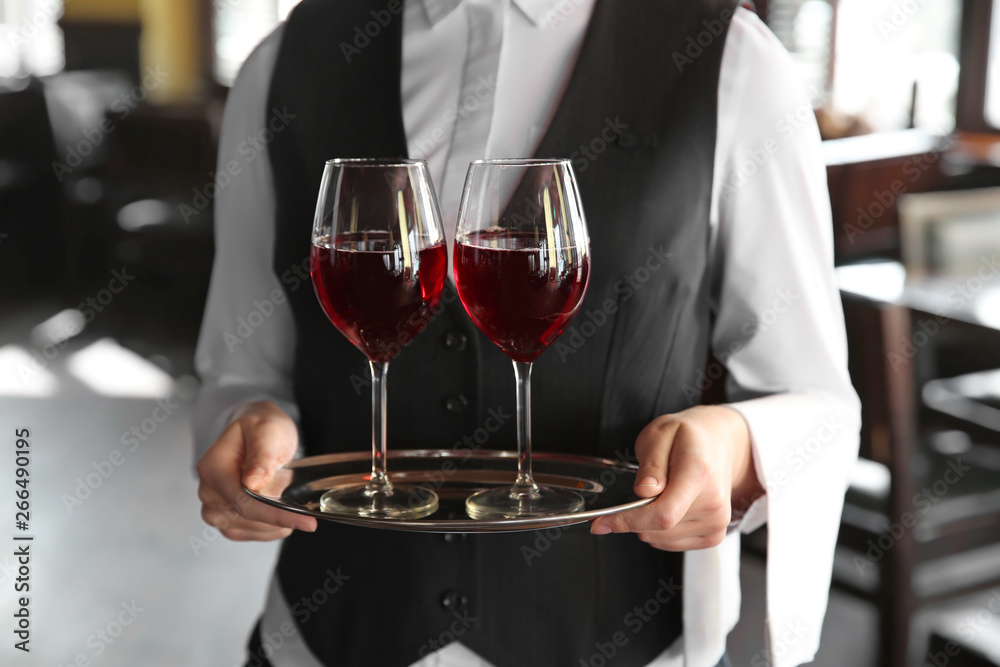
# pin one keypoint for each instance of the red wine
(370, 293)
(514, 292)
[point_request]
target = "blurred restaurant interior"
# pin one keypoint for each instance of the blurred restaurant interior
(109, 118)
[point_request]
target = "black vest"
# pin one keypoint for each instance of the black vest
(639, 121)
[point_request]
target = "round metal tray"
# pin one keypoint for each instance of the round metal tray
(454, 475)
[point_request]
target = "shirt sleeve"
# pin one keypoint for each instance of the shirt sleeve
(779, 326)
(246, 345)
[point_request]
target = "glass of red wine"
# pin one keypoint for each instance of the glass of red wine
(521, 261)
(378, 266)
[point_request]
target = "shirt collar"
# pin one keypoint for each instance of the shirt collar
(535, 10)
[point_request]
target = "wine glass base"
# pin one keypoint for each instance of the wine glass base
(402, 502)
(506, 503)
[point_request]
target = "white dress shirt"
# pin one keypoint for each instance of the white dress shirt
(482, 78)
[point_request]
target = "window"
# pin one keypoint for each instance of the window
(805, 27)
(238, 26)
(890, 58)
(30, 40)
(992, 106)
(896, 55)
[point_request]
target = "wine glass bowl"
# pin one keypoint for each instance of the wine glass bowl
(378, 263)
(521, 266)
(518, 295)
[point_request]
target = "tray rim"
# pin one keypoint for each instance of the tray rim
(456, 525)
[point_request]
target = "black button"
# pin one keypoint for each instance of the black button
(456, 403)
(454, 538)
(453, 601)
(455, 341)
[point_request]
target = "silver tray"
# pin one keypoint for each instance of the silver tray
(605, 484)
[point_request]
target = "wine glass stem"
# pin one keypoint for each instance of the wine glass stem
(525, 484)
(380, 479)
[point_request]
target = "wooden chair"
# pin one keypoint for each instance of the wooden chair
(900, 532)
(32, 216)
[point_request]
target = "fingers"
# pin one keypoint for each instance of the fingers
(270, 444)
(245, 513)
(686, 463)
(652, 448)
(235, 527)
(244, 535)
(691, 511)
(249, 451)
(686, 544)
(688, 477)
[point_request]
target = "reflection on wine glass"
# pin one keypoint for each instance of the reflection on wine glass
(522, 260)
(378, 265)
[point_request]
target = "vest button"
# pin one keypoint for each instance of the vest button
(453, 601)
(456, 404)
(455, 341)
(453, 538)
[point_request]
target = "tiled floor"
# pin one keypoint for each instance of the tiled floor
(119, 536)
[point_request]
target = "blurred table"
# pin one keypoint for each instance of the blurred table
(973, 299)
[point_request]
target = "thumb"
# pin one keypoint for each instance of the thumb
(652, 448)
(269, 445)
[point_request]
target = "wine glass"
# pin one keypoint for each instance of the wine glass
(522, 260)
(378, 266)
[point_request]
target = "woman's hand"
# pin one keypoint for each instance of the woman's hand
(259, 439)
(700, 465)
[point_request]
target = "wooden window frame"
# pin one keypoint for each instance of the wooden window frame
(974, 58)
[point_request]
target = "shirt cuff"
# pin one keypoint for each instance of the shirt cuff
(215, 408)
(751, 517)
